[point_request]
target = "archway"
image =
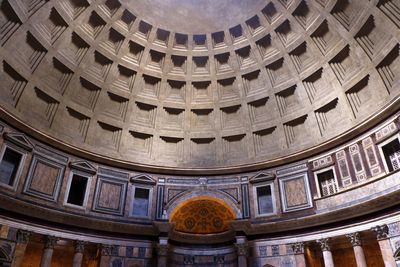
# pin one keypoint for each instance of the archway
(202, 215)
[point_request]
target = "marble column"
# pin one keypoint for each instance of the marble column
(22, 242)
(162, 252)
(298, 250)
(242, 250)
(326, 251)
(79, 247)
(355, 241)
(382, 235)
(50, 242)
(106, 252)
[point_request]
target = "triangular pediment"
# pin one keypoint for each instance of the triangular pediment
(20, 140)
(262, 176)
(84, 166)
(143, 179)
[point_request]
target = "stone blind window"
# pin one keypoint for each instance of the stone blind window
(327, 183)
(9, 166)
(264, 200)
(141, 202)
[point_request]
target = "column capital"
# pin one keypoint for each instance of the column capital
(324, 243)
(298, 247)
(162, 249)
(23, 236)
(79, 246)
(242, 249)
(219, 259)
(381, 231)
(354, 238)
(50, 241)
(106, 250)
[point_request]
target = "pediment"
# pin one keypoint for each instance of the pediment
(143, 179)
(262, 177)
(20, 140)
(83, 166)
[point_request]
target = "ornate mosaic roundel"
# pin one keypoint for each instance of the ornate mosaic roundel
(202, 215)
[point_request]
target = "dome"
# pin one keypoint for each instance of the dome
(197, 86)
(177, 133)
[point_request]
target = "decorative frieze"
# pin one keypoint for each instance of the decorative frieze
(386, 131)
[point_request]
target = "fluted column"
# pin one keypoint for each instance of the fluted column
(22, 241)
(50, 242)
(162, 252)
(382, 235)
(298, 250)
(242, 251)
(79, 247)
(326, 251)
(106, 252)
(355, 241)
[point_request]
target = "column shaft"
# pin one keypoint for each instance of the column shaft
(19, 254)
(382, 235)
(77, 261)
(300, 260)
(360, 257)
(387, 254)
(328, 259)
(20, 248)
(50, 242)
(46, 257)
(106, 251)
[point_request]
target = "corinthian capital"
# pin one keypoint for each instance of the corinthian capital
(381, 231)
(324, 243)
(298, 248)
(354, 238)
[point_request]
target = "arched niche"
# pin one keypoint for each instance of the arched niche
(202, 215)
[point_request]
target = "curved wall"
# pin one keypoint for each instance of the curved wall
(362, 180)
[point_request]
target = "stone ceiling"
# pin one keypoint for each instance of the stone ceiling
(197, 85)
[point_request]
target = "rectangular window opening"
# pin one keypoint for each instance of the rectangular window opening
(264, 200)
(327, 183)
(391, 151)
(77, 190)
(9, 166)
(141, 202)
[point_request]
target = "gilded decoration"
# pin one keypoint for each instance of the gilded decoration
(203, 215)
